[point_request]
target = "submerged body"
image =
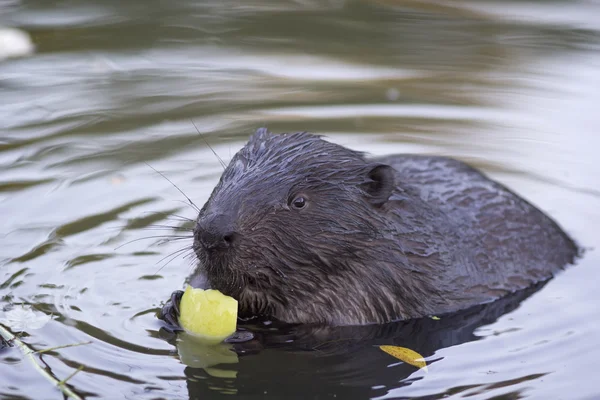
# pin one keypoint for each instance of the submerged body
(306, 231)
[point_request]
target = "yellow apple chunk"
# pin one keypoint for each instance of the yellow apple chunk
(208, 313)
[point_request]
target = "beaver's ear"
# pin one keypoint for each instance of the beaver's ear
(379, 183)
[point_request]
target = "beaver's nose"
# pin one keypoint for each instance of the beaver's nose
(215, 231)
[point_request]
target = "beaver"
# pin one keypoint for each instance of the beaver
(302, 230)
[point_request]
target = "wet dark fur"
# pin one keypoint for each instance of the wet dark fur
(379, 240)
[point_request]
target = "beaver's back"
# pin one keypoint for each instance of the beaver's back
(509, 243)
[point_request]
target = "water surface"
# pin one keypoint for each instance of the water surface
(510, 87)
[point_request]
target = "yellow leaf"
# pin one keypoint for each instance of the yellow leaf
(407, 355)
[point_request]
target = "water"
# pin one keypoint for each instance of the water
(511, 87)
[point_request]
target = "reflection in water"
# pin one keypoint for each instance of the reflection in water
(510, 87)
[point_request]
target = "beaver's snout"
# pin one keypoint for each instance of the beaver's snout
(215, 231)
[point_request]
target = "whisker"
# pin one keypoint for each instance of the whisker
(176, 187)
(181, 218)
(209, 146)
(173, 256)
(167, 240)
(191, 258)
(152, 227)
(176, 252)
(186, 203)
(173, 227)
(168, 214)
(154, 237)
(191, 254)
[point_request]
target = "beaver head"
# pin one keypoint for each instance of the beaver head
(293, 230)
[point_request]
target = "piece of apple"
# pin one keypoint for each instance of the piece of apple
(208, 313)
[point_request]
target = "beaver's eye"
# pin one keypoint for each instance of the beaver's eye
(299, 202)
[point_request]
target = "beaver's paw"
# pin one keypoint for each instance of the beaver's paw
(170, 312)
(239, 336)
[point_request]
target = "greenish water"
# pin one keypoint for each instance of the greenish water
(511, 87)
